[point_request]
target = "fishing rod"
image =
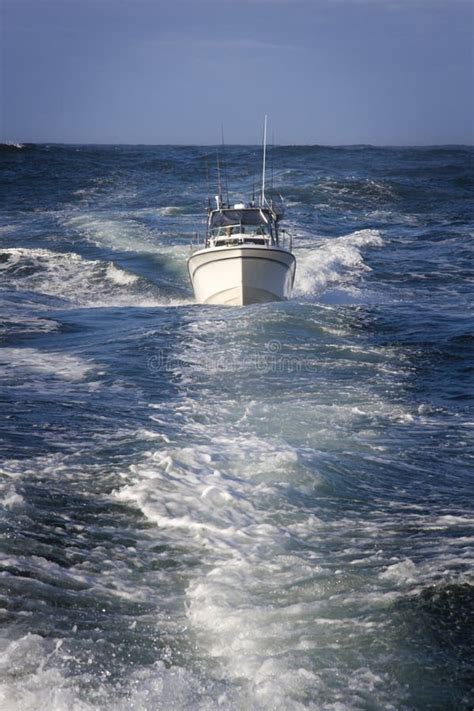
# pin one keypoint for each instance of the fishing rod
(271, 164)
(262, 196)
(208, 183)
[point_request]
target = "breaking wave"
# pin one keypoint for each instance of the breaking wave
(335, 262)
(77, 281)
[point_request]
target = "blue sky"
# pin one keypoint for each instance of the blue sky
(154, 71)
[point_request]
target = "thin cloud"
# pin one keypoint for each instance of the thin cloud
(236, 44)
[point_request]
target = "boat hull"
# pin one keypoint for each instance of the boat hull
(241, 275)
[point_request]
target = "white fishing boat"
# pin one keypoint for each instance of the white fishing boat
(244, 259)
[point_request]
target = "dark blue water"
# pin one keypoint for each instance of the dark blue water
(265, 507)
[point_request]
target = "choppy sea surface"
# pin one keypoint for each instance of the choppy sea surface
(253, 508)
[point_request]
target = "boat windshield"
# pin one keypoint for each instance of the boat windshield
(229, 230)
(237, 225)
(245, 216)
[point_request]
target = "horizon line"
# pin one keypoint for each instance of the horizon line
(14, 144)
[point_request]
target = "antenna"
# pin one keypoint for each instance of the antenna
(219, 185)
(273, 148)
(224, 169)
(262, 196)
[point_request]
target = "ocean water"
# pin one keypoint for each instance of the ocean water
(254, 508)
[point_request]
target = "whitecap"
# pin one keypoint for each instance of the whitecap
(78, 281)
(335, 262)
(19, 364)
(120, 276)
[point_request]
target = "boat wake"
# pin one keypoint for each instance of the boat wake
(76, 281)
(268, 593)
(336, 262)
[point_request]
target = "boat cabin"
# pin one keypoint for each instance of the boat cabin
(240, 224)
